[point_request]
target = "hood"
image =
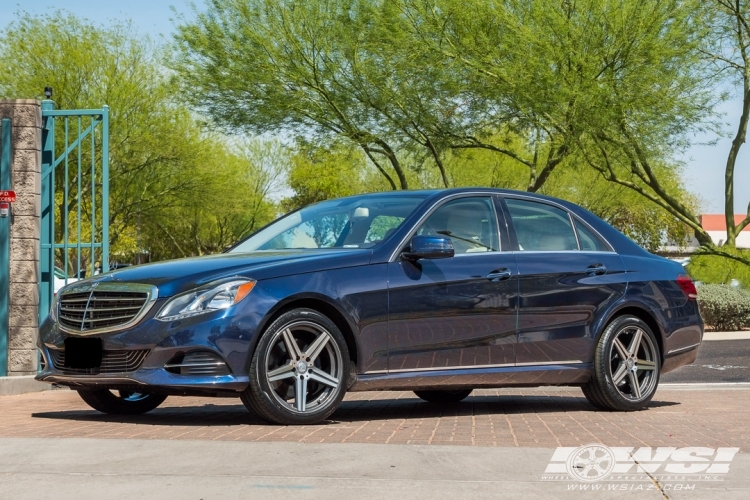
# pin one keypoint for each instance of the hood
(176, 276)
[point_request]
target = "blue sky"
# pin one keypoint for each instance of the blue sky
(704, 172)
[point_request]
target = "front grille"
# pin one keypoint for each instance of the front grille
(105, 308)
(112, 362)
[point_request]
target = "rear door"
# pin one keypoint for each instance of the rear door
(567, 275)
(458, 311)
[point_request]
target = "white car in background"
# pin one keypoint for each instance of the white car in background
(62, 279)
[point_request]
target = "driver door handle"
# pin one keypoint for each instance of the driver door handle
(596, 269)
(500, 274)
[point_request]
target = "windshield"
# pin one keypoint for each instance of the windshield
(356, 222)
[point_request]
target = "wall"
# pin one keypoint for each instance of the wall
(26, 115)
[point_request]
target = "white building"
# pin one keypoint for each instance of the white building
(716, 227)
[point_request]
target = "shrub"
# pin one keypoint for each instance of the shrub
(718, 269)
(723, 307)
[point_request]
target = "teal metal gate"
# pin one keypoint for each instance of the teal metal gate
(75, 198)
(6, 157)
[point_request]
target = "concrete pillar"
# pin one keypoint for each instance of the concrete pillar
(25, 228)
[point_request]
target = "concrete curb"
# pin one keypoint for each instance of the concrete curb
(709, 336)
(10, 386)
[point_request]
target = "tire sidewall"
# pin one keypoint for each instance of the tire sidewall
(603, 368)
(104, 401)
(260, 387)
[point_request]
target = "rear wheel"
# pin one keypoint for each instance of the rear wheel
(627, 364)
(299, 369)
(121, 402)
(444, 397)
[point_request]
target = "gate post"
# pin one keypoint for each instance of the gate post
(6, 149)
(23, 297)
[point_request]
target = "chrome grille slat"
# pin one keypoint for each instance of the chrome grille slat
(112, 362)
(101, 308)
(108, 306)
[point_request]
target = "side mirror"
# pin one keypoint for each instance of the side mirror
(430, 247)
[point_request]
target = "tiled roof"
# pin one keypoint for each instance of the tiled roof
(716, 222)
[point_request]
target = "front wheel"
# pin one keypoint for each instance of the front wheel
(626, 366)
(299, 369)
(121, 402)
(444, 397)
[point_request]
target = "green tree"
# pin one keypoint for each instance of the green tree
(729, 51)
(160, 158)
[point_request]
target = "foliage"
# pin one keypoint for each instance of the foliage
(723, 307)
(645, 222)
(423, 87)
(230, 202)
(321, 173)
(728, 51)
(160, 159)
(718, 269)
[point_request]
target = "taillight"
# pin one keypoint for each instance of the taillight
(687, 286)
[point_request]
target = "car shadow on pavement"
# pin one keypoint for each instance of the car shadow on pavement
(350, 411)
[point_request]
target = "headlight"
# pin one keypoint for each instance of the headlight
(212, 297)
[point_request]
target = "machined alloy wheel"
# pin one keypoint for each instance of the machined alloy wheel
(299, 369)
(121, 402)
(626, 366)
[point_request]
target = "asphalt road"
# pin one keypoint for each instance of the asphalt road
(718, 361)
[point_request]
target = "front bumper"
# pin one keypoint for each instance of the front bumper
(158, 380)
(228, 335)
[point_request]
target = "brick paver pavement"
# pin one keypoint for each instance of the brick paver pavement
(544, 417)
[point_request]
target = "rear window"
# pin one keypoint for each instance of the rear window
(541, 227)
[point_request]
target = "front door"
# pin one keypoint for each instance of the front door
(458, 311)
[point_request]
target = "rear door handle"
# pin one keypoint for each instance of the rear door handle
(596, 269)
(500, 274)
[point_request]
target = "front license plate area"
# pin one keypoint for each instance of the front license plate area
(83, 353)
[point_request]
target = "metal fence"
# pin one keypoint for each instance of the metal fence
(75, 198)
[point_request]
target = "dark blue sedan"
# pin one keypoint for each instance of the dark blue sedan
(438, 292)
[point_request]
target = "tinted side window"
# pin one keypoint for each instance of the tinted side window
(469, 222)
(541, 227)
(589, 241)
(382, 226)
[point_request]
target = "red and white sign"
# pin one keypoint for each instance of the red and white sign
(7, 196)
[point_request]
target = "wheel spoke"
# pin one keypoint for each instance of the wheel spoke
(635, 386)
(324, 378)
(621, 349)
(620, 373)
(636, 342)
(291, 345)
(282, 372)
(644, 365)
(300, 393)
(316, 347)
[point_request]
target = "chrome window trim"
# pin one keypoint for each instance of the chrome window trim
(573, 218)
(573, 252)
(109, 286)
(597, 233)
(439, 203)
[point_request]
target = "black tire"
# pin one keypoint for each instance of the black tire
(270, 400)
(124, 403)
(624, 383)
(444, 397)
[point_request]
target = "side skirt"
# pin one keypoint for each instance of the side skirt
(486, 377)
